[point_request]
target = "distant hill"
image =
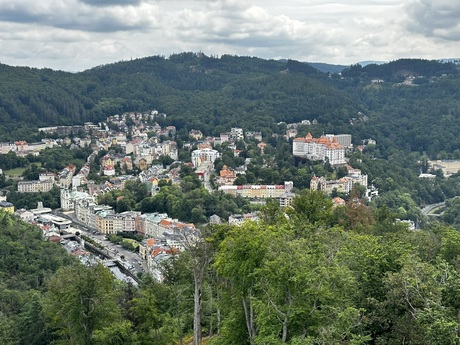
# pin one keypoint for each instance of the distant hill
(370, 62)
(397, 70)
(327, 68)
(453, 60)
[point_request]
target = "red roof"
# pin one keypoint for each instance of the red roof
(165, 222)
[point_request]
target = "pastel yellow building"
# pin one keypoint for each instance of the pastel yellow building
(6, 206)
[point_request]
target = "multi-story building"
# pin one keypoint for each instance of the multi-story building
(200, 156)
(44, 176)
(343, 185)
(149, 224)
(254, 135)
(65, 176)
(322, 149)
(286, 199)
(169, 148)
(111, 223)
(35, 186)
(236, 134)
(258, 191)
(70, 198)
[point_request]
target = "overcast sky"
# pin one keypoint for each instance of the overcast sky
(74, 35)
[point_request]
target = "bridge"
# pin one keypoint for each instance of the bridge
(115, 263)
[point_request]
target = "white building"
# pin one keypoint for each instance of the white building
(343, 185)
(44, 176)
(69, 199)
(35, 186)
(239, 219)
(258, 191)
(236, 134)
(320, 149)
(204, 155)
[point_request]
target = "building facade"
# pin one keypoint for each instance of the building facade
(325, 148)
(205, 155)
(258, 191)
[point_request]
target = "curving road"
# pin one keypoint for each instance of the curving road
(427, 209)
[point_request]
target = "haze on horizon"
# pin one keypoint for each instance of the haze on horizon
(75, 35)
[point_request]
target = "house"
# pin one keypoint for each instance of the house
(6, 207)
(337, 201)
(239, 219)
(226, 176)
(25, 215)
(215, 219)
(142, 164)
(261, 147)
(127, 163)
(195, 134)
(254, 135)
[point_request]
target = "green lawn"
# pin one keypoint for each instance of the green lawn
(14, 172)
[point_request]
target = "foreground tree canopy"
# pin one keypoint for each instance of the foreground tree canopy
(311, 274)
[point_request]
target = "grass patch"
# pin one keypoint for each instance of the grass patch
(134, 243)
(438, 210)
(16, 172)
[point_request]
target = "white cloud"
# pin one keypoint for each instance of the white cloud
(79, 34)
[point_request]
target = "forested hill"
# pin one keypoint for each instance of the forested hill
(213, 94)
(192, 89)
(398, 70)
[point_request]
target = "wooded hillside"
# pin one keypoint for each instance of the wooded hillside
(214, 94)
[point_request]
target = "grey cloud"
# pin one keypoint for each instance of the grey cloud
(253, 42)
(435, 18)
(103, 3)
(76, 16)
(104, 24)
(19, 13)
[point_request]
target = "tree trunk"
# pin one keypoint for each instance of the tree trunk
(179, 327)
(198, 279)
(218, 312)
(285, 328)
(249, 314)
(211, 333)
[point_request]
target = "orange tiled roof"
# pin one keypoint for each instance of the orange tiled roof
(165, 222)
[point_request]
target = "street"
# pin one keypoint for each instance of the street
(131, 260)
